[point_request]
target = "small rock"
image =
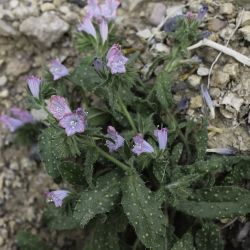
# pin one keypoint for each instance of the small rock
(24, 11)
(216, 24)
(194, 80)
(7, 30)
(41, 28)
(220, 79)
(203, 71)
(160, 47)
(226, 33)
(232, 69)
(58, 3)
(175, 10)
(245, 18)
(246, 32)
(3, 80)
(158, 13)
(13, 4)
(1, 240)
(132, 4)
(232, 100)
(215, 93)
(47, 7)
(145, 34)
(17, 67)
(4, 93)
(64, 9)
(196, 102)
(227, 9)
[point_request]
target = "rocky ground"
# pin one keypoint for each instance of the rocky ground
(28, 43)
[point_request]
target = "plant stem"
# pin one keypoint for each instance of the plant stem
(126, 113)
(112, 159)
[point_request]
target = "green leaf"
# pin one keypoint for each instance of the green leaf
(52, 148)
(72, 172)
(216, 202)
(186, 242)
(143, 212)
(176, 154)
(97, 117)
(161, 170)
(85, 75)
(208, 237)
(59, 220)
(91, 158)
(28, 241)
(99, 200)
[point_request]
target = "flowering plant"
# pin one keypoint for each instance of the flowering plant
(133, 171)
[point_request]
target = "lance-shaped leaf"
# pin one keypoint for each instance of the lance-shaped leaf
(208, 237)
(186, 242)
(143, 212)
(216, 202)
(91, 158)
(52, 147)
(99, 199)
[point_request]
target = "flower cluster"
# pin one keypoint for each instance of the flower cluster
(72, 122)
(102, 14)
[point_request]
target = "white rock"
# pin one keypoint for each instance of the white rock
(220, 79)
(203, 71)
(3, 80)
(232, 100)
(175, 10)
(227, 9)
(48, 28)
(13, 4)
(17, 67)
(232, 69)
(158, 13)
(246, 32)
(160, 47)
(245, 18)
(23, 11)
(4, 93)
(145, 34)
(194, 80)
(47, 7)
(7, 30)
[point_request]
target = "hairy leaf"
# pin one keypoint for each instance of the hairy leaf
(143, 212)
(99, 199)
(91, 158)
(186, 242)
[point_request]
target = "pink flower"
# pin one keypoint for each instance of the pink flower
(57, 196)
(141, 146)
(58, 107)
(93, 9)
(103, 26)
(116, 60)
(34, 85)
(57, 69)
(17, 119)
(162, 137)
(87, 26)
(73, 123)
(118, 140)
(109, 9)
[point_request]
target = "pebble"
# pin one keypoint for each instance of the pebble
(216, 24)
(1, 240)
(214, 93)
(232, 100)
(3, 80)
(160, 47)
(7, 30)
(220, 79)
(194, 80)
(4, 93)
(17, 67)
(203, 71)
(196, 102)
(232, 69)
(47, 7)
(144, 34)
(246, 32)
(158, 13)
(245, 18)
(227, 9)
(13, 4)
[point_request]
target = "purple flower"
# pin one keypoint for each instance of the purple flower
(202, 12)
(57, 196)
(98, 64)
(93, 9)
(162, 137)
(103, 30)
(11, 123)
(109, 8)
(87, 26)
(21, 115)
(116, 60)
(118, 141)
(58, 70)
(208, 100)
(58, 107)
(34, 85)
(141, 146)
(73, 123)
(17, 119)
(221, 151)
